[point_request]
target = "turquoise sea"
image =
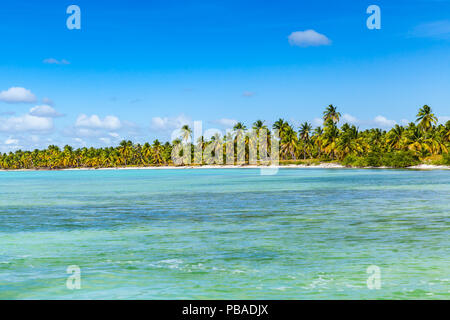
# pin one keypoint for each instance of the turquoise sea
(225, 234)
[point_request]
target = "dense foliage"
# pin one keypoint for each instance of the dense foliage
(401, 146)
(396, 159)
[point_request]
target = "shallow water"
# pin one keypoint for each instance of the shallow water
(225, 233)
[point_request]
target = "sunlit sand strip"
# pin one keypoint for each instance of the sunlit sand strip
(299, 166)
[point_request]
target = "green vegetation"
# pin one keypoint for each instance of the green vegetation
(397, 159)
(402, 146)
(446, 159)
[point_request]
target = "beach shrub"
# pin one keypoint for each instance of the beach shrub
(349, 160)
(374, 159)
(354, 161)
(399, 159)
(446, 159)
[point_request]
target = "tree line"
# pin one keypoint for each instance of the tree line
(400, 146)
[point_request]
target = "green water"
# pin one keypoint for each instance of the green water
(225, 233)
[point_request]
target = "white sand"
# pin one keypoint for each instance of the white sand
(321, 165)
(429, 167)
(294, 166)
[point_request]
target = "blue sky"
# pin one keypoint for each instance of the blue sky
(139, 69)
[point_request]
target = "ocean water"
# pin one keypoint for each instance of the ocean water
(225, 234)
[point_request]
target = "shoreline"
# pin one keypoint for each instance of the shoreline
(288, 166)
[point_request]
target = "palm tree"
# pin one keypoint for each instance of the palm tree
(427, 138)
(304, 135)
(289, 143)
(305, 131)
(437, 141)
(186, 133)
(147, 152)
(125, 150)
(395, 137)
(157, 152)
(317, 140)
(68, 157)
(331, 113)
(416, 141)
(446, 132)
(239, 126)
(198, 151)
(426, 118)
(239, 132)
(258, 125)
(330, 135)
(281, 126)
(349, 141)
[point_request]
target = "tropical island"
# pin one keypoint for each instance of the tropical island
(421, 142)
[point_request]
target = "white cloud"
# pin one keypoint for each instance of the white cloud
(308, 38)
(92, 130)
(318, 122)
(384, 122)
(86, 132)
(105, 140)
(113, 137)
(55, 61)
(167, 123)
(347, 118)
(26, 122)
(94, 122)
(44, 111)
(443, 120)
(209, 133)
(10, 141)
(17, 95)
(225, 122)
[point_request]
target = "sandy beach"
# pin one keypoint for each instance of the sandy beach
(289, 166)
(429, 167)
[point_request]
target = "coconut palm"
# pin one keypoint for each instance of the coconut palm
(157, 152)
(424, 139)
(239, 126)
(331, 113)
(258, 125)
(416, 141)
(125, 150)
(305, 131)
(305, 139)
(281, 127)
(426, 118)
(289, 143)
(317, 140)
(186, 132)
(395, 137)
(330, 135)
